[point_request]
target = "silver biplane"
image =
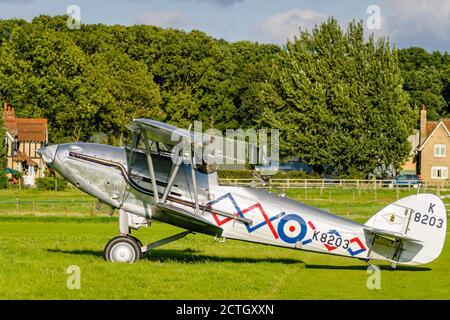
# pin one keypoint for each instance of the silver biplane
(145, 183)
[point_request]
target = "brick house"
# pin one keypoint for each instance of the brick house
(433, 158)
(411, 166)
(23, 138)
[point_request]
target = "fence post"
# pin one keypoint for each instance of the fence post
(17, 205)
(288, 184)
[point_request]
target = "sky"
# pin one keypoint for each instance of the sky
(423, 23)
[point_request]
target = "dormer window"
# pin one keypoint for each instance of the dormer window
(439, 150)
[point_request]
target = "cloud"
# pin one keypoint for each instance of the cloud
(224, 3)
(423, 23)
(16, 1)
(285, 25)
(169, 19)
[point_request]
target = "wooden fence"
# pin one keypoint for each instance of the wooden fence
(334, 183)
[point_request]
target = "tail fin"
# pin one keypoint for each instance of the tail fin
(411, 230)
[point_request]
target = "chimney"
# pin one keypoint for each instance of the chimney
(423, 124)
(5, 105)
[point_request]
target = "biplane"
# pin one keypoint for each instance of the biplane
(150, 179)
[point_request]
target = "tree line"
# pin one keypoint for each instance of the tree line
(341, 102)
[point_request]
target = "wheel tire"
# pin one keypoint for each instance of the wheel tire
(136, 239)
(123, 249)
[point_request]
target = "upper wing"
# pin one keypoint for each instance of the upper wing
(163, 132)
(171, 136)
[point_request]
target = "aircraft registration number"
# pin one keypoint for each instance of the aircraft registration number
(331, 240)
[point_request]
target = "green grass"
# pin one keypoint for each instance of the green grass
(36, 249)
(42, 202)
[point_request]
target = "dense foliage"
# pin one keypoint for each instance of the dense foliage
(99, 77)
(340, 101)
(337, 98)
(3, 179)
(51, 183)
(427, 80)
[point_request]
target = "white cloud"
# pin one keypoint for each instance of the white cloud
(225, 3)
(417, 22)
(285, 25)
(169, 19)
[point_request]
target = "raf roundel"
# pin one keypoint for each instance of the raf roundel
(292, 228)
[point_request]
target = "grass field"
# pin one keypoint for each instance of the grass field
(35, 252)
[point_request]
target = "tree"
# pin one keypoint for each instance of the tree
(339, 101)
(3, 180)
(121, 90)
(426, 80)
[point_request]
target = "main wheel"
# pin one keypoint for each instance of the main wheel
(122, 249)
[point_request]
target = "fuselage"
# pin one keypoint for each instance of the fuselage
(105, 172)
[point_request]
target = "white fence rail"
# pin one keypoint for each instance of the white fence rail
(334, 183)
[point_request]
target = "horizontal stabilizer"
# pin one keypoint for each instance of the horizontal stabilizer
(390, 234)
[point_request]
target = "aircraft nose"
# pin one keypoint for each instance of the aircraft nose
(48, 153)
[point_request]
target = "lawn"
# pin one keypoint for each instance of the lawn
(35, 252)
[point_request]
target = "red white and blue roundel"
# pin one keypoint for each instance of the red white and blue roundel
(292, 228)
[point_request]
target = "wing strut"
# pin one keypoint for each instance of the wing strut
(150, 166)
(175, 167)
(194, 179)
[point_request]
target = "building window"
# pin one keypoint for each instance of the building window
(439, 173)
(439, 150)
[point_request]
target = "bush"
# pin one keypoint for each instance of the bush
(51, 183)
(246, 174)
(3, 181)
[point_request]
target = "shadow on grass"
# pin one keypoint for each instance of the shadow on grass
(184, 256)
(364, 267)
(94, 253)
(192, 256)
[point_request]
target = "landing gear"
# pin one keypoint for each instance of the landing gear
(128, 249)
(123, 249)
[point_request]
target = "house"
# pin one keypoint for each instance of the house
(433, 158)
(411, 166)
(23, 138)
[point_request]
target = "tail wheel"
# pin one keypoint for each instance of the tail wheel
(123, 249)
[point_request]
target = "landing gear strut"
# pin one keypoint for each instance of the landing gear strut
(128, 249)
